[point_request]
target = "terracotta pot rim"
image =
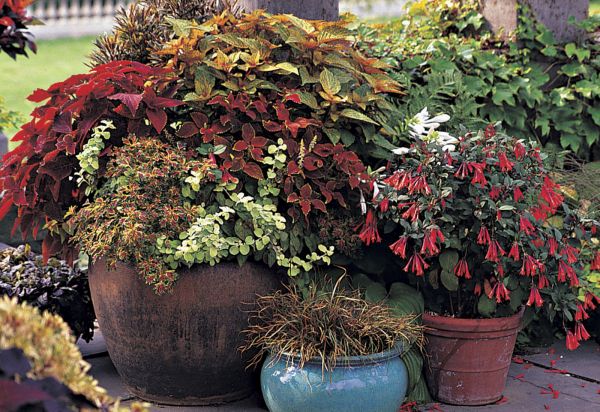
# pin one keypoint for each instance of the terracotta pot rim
(441, 322)
(347, 361)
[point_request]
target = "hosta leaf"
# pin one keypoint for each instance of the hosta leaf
(486, 306)
(448, 260)
(375, 292)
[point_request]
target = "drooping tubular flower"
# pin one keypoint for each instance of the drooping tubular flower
(499, 292)
(399, 247)
(514, 252)
(484, 236)
(535, 298)
(462, 269)
(572, 341)
(505, 164)
(494, 251)
(369, 233)
(416, 265)
(525, 225)
(517, 194)
(595, 265)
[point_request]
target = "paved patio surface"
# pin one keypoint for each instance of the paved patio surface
(552, 380)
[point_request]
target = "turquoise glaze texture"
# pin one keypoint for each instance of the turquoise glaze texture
(375, 383)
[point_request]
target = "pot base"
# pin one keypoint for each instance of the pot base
(191, 401)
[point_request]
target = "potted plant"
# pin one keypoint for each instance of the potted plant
(213, 168)
(470, 220)
(330, 351)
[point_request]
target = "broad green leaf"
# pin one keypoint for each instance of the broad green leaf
(486, 306)
(330, 83)
(287, 67)
(449, 280)
(356, 115)
(448, 260)
(375, 292)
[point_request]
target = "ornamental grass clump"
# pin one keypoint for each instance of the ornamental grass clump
(474, 221)
(326, 326)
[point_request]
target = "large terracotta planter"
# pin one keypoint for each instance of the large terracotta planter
(467, 360)
(180, 348)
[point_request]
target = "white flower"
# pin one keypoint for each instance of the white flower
(401, 151)
(422, 125)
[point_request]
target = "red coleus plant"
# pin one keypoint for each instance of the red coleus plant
(477, 229)
(14, 37)
(37, 176)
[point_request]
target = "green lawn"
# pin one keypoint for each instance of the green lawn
(55, 61)
(594, 6)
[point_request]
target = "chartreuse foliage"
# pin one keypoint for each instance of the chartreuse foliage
(48, 345)
(444, 55)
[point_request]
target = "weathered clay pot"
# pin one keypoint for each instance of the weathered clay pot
(180, 348)
(467, 360)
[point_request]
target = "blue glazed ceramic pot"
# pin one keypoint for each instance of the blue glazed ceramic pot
(374, 383)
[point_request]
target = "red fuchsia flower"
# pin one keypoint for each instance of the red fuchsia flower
(570, 252)
(595, 265)
(552, 246)
(398, 180)
(535, 297)
(429, 247)
(384, 205)
(419, 184)
(484, 236)
(412, 212)
(416, 265)
(581, 314)
(550, 194)
(588, 302)
(539, 212)
(477, 290)
(530, 266)
(369, 233)
(399, 247)
(514, 252)
(462, 269)
(572, 342)
(543, 281)
(500, 270)
(525, 225)
(519, 150)
(505, 164)
(494, 251)
(479, 177)
(565, 271)
(500, 292)
(580, 332)
(490, 131)
(463, 170)
(495, 193)
(517, 194)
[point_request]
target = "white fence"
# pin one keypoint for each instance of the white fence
(64, 18)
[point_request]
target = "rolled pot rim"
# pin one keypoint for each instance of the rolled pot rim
(343, 361)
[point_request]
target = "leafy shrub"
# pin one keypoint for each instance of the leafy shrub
(53, 287)
(537, 88)
(14, 37)
(470, 218)
(48, 345)
(142, 28)
(325, 325)
(274, 112)
(7, 118)
(130, 94)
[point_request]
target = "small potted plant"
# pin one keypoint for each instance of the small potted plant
(330, 351)
(470, 221)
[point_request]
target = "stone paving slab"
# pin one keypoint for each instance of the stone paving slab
(534, 383)
(95, 347)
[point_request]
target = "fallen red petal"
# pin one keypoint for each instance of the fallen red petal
(518, 359)
(502, 400)
(520, 376)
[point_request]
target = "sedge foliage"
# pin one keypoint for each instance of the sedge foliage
(325, 325)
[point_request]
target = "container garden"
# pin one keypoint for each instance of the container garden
(180, 348)
(467, 360)
(375, 382)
